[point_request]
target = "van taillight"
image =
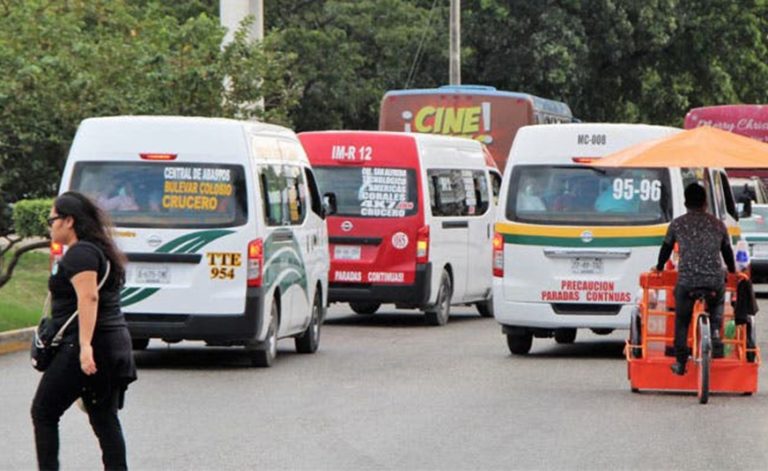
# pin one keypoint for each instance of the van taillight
(57, 250)
(422, 245)
(498, 255)
(255, 262)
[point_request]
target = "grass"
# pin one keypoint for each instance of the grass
(21, 299)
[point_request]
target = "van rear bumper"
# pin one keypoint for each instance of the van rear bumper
(416, 294)
(215, 328)
(543, 315)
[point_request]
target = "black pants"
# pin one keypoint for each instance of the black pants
(61, 385)
(684, 311)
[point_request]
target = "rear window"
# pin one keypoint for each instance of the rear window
(583, 195)
(165, 195)
(370, 191)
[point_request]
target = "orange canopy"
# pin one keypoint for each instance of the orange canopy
(700, 147)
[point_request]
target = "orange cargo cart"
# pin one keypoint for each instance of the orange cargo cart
(649, 350)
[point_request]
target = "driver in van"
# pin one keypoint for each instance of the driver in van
(702, 239)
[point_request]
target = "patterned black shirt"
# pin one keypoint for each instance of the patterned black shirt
(702, 238)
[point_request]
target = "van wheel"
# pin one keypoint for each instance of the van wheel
(308, 341)
(520, 343)
(263, 354)
(485, 308)
(139, 344)
(439, 313)
(602, 331)
(365, 308)
(565, 336)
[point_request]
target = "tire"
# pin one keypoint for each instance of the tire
(264, 353)
(520, 344)
(365, 308)
(636, 333)
(751, 338)
(485, 308)
(308, 341)
(139, 344)
(705, 356)
(565, 336)
(602, 331)
(441, 311)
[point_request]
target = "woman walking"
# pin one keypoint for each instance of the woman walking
(94, 361)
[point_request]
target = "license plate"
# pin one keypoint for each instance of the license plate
(346, 252)
(160, 274)
(760, 250)
(586, 266)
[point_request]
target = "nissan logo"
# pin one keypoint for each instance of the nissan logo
(154, 240)
(586, 237)
(346, 226)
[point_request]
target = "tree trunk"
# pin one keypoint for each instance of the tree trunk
(6, 275)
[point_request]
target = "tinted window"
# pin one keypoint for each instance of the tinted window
(455, 192)
(165, 195)
(583, 195)
(370, 191)
(284, 194)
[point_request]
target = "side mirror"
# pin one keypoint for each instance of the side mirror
(329, 204)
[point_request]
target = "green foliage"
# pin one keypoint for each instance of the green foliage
(65, 61)
(347, 53)
(22, 298)
(29, 217)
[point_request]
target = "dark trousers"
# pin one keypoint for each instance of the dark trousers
(61, 385)
(684, 311)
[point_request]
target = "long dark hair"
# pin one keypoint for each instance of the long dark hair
(92, 225)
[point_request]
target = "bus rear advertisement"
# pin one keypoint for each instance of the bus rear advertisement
(478, 112)
(746, 120)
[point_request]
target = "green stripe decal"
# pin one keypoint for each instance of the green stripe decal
(187, 244)
(140, 295)
(578, 242)
(284, 265)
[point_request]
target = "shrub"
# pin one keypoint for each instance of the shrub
(29, 217)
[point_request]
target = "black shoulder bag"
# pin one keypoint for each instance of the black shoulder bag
(46, 340)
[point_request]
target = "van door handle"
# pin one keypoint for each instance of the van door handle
(488, 231)
(282, 235)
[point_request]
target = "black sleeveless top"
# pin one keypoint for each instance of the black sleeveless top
(84, 256)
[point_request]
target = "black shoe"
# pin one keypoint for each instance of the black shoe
(718, 350)
(678, 368)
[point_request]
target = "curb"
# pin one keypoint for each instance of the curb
(16, 340)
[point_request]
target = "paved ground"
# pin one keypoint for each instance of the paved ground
(388, 392)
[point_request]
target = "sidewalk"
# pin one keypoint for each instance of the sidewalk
(16, 340)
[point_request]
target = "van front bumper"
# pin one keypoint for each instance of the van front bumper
(220, 329)
(415, 294)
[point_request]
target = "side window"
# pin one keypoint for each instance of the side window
(295, 194)
(272, 190)
(495, 185)
(719, 197)
(446, 192)
(730, 203)
(313, 193)
(482, 195)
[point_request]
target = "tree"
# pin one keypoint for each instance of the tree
(349, 52)
(65, 61)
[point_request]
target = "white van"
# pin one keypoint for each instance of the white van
(413, 221)
(222, 225)
(571, 240)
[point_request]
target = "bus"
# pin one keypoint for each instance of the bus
(475, 111)
(746, 120)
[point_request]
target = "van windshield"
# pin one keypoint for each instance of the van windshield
(165, 194)
(370, 191)
(583, 195)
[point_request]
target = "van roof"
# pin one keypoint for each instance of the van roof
(560, 143)
(316, 142)
(172, 134)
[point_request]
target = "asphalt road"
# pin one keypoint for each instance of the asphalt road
(388, 392)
